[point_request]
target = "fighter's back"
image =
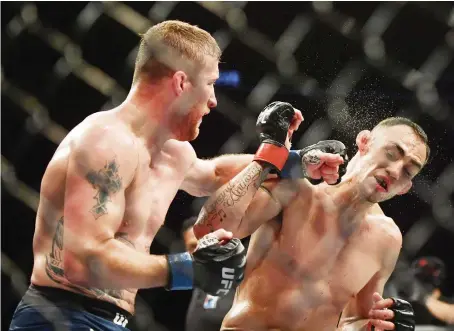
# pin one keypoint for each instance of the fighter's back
(317, 258)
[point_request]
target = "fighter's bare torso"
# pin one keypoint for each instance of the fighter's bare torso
(303, 271)
(147, 198)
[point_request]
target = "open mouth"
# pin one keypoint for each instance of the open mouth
(382, 183)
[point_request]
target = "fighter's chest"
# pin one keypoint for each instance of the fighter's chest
(327, 260)
(356, 265)
(152, 192)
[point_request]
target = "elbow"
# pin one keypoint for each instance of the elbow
(83, 269)
(75, 270)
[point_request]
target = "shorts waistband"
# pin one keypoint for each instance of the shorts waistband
(68, 299)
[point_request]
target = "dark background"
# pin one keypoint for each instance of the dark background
(346, 65)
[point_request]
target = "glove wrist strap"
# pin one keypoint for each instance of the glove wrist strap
(272, 154)
(181, 272)
(293, 168)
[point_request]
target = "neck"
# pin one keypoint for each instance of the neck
(347, 194)
(146, 112)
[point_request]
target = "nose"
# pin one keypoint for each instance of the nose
(394, 170)
(212, 102)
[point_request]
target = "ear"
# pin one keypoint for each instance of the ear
(406, 188)
(180, 82)
(362, 141)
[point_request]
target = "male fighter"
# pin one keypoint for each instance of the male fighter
(107, 189)
(321, 252)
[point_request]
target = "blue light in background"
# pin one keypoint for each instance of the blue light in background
(229, 78)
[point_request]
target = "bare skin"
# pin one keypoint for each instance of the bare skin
(107, 189)
(306, 269)
(326, 250)
(190, 240)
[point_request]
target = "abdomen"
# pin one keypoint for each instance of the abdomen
(275, 296)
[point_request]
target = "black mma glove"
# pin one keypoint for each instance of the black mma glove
(297, 159)
(214, 268)
(272, 126)
(404, 316)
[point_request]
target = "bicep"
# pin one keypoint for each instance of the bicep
(200, 178)
(362, 303)
(96, 178)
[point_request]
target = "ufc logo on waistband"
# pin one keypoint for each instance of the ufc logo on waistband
(228, 274)
(120, 320)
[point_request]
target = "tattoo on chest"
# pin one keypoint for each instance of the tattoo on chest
(230, 195)
(55, 270)
(107, 182)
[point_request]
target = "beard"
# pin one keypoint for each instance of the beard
(186, 127)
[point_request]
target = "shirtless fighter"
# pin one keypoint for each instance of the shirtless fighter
(319, 256)
(107, 189)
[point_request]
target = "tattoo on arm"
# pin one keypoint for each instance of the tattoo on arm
(233, 192)
(107, 182)
(55, 270)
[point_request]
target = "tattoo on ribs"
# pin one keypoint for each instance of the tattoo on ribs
(108, 182)
(55, 271)
(232, 193)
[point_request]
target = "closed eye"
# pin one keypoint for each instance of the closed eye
(390, 155)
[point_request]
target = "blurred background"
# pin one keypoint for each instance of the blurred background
(346, 65)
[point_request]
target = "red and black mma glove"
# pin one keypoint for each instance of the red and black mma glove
(404, 316)
(272, 126)
(298, 159)
(214, 267)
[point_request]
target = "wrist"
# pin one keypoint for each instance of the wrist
(180, 276)
(272, 154)
(292, 168)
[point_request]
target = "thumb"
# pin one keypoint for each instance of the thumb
(376, 297)
(331, 158)
(222, 235)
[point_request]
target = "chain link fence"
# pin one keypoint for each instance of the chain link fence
(346, 65)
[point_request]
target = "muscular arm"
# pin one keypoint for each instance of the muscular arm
(227, 207)
(101, 167)
(206, 176)
(355, 316)
(243, 204)
(442, 310)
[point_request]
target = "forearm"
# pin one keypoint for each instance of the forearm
(441, 310)
(116, 265)
(227, 206)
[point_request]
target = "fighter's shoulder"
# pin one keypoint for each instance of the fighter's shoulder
(97, 134)
(386, 227)
(180, 149)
